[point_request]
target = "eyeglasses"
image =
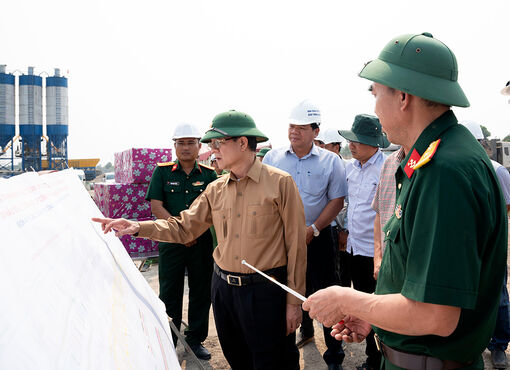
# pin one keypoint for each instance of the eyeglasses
(217, 143)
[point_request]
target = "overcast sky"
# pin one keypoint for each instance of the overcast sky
(136, 69)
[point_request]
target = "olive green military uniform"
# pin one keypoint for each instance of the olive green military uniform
(177, 190)
(447, 242)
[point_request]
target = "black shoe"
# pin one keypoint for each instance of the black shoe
(498, 359)
(303, 340)
(335, 367)
(200, 351)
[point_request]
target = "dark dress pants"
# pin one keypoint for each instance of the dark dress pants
(197, 259)
(361, 271)
(320, 274)
(251, 325)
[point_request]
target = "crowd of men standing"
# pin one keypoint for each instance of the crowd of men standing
(339, 231)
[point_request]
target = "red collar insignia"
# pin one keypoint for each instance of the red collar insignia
(409, 168)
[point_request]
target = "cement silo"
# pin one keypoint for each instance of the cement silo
(30, 119)
(57, 120)
(7, 111)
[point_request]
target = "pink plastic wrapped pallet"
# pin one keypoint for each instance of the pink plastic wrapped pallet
(136, 165)
(138, 247)
(122, 200)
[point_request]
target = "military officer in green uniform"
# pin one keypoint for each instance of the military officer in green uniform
(173, 188)
(438, 289)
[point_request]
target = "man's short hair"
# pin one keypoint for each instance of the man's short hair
(252, 142)
(433, 104)
(428, 103)
(314, 126)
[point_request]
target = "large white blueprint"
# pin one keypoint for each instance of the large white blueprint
(71, 297)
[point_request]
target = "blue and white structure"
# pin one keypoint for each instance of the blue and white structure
(7, 119)
(57, 120)
(7, 111)
(30, 119)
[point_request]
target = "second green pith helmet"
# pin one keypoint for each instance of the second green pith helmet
(419, 65)
(233, 124)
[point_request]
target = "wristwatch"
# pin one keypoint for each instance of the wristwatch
(316, 231)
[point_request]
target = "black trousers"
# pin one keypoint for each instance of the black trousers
(359, 270)
(251, 324)
(334, 238)
(197, 259)
(320, 274)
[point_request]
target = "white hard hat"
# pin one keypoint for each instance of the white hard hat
(305, 113)
(320, 136)
(331, 135)
(506, 89)
(474, 128)
(183, 130)
(213, 158)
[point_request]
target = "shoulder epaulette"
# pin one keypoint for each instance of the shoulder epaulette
(416, 161)
(164, 164)
(206, 166)
(429, 153)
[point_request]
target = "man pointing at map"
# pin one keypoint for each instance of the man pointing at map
(258, 216)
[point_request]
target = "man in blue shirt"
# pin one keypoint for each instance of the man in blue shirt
(362, 172)
(320, 177)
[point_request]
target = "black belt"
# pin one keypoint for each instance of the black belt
(236, 279)
(415, 362)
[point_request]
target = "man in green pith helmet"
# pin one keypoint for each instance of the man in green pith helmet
(258, 216)
(438, 288)
(173, 188)
(262, 152)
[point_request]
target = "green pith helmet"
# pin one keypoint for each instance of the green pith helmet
(262, 152)
(233, 124)
(366, 129)
(419, 65)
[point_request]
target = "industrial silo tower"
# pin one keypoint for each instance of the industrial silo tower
(57, 120)
(7, 116)
(30, 119)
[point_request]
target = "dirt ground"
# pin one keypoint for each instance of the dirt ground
(310, 354)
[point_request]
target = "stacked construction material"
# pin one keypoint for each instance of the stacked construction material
(126, 197)
(136, 165)
(122, 200)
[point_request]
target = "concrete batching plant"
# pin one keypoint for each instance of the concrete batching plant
(30, 118)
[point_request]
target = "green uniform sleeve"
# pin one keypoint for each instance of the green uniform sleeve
(443, 261)
(155, 190)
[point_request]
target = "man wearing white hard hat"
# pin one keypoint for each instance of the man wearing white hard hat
(217, 169)
(332, 140)
(499, 341)
(319, 140)
(320, 178)
(173, 187)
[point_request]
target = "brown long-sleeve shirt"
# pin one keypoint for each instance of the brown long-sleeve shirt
(259, 218)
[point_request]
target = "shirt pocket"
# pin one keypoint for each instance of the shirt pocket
(367, 191)
(198, 188)
(261, 220)
(315, 184)
(169, 188)
(393, 259)
(221, 221)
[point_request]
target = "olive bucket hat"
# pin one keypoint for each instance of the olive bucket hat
(366, 129)
(419, 65)
(233, 124)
